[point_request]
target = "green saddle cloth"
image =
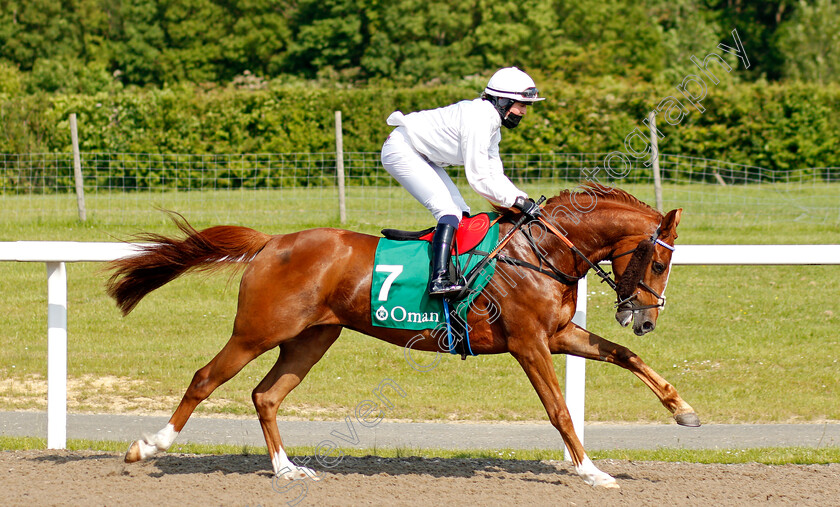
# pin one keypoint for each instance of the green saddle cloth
(398, 296)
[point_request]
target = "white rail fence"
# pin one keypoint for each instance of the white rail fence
(56, 253)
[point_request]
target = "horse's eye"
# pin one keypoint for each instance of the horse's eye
(658, 268)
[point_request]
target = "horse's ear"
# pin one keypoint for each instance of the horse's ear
(671, 220)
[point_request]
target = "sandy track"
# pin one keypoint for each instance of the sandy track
(101, 478)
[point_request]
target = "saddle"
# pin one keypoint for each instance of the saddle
(471, 232)
(403, 302)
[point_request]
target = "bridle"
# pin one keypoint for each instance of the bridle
(566, 278)
(660, 298)
(605, 277)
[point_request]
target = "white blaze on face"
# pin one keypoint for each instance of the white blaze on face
(668, 276)
(664, 288)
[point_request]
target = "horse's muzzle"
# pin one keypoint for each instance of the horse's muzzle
(624, 317)
(640, 317)
(644, 326)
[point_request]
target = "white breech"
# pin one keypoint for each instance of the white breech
(428, 183)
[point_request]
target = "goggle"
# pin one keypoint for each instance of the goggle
(530, 93)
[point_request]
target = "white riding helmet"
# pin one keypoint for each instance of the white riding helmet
(512, 83)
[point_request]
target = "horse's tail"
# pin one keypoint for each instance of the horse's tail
(168, 258)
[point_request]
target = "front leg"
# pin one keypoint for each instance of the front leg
(577, 341)
(535, 359)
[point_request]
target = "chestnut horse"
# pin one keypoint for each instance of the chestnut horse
(299, 290)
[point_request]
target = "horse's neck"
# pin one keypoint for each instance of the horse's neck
(599, 231)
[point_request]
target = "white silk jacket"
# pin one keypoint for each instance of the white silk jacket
(466, 133)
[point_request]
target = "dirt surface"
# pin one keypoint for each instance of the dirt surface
(101, 478)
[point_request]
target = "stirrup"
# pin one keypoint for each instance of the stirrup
(443, 287)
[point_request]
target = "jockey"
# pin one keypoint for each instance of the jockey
(465, 133)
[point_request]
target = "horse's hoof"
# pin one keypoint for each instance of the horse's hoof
(689, 419)
(610, 485)
(133, 454)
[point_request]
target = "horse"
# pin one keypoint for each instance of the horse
(299, 290)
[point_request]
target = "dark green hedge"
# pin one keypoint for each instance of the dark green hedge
(775, 126)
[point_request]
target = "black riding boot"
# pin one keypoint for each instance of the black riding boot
(440, 283)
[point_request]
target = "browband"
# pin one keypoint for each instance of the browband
(666, 245)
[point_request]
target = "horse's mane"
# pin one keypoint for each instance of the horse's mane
(601, 192)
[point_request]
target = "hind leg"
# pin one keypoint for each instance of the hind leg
(227, 363)
(297, 356)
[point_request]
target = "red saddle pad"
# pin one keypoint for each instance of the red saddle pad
(470, 232)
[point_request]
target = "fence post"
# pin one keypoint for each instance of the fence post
(654, 146)
(77, 168)
(576, 372)
(56, 355)
(339, 166)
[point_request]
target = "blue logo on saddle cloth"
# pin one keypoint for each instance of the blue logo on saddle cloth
(398, 297)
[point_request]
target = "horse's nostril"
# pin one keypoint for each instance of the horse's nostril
(647, 326)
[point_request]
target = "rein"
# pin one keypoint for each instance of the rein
(605, 277)
(471, 276)
(559, 275)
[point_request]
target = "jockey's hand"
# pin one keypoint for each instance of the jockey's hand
(528, 207)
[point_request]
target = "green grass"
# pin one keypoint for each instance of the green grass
(766, 455)
(740, 343)
(767, 213)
